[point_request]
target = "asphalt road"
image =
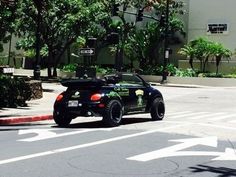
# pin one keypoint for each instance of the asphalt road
(196, 138)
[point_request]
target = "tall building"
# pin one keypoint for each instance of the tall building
(214, 19)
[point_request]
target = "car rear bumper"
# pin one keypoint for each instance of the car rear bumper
(82, 109)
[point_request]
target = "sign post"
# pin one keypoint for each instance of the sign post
(87, 51)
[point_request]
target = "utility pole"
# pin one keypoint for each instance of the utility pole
(166, 49)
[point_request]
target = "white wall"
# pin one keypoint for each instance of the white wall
(203, 11)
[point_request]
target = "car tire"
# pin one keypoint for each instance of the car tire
(157, 109)
(113, 113)
(62, 120)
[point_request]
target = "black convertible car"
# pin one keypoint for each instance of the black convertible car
(110, 97)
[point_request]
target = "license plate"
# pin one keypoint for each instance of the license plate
(73, 103)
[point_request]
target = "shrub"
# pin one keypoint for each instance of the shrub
(104, 70)
(69, 67)
(219, 75)
(13, 91)
(189, 72)
(158, 70)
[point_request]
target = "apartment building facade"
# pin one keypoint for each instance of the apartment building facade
(215, 19)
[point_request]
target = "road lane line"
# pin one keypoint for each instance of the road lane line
(232, 121)
(223, 117)
(44, 134)
(207, 115)
(55, 151)
(202, 124)
(177, 113)
(188, 115)
(217, 126)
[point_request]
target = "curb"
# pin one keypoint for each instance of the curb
(16, 120)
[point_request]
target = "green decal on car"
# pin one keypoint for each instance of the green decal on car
(122, 91)
(113, 94)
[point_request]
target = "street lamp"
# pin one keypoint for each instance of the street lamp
(166, 49)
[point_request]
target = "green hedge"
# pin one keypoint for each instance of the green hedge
(13, 91)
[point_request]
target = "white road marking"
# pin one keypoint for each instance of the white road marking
(55, 151)
(232, 121)
(217, 126)
(174, 150)
(43, 134)
(201, 124)
(170, 151)
(223, 117)
(188, 114)
(177, 113)
(206, 116)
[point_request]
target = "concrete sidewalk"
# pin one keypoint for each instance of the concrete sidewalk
(36, 110)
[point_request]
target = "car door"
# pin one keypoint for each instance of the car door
(136, 99)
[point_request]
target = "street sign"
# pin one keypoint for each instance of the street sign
(87, 51)
(6, 70)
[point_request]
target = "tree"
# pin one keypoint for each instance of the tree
(63, 23)
(151, 49)
(189, 52)
(219, 52)
(7, 17)
(204, 49)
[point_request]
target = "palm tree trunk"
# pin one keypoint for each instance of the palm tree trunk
(218, 59)
(205, 62)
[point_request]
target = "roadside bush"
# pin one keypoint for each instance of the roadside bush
(189, 72)
(158, 70)
(13, 92)
(69, 67)
(72, 68)
(104, 70)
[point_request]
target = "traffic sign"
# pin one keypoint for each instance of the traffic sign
(87, 51)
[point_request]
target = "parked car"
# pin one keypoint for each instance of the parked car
(111, 97)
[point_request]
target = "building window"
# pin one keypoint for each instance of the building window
(217, 28)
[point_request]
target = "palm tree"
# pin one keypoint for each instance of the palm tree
(219, 52)
(189, 52)
(201, 46)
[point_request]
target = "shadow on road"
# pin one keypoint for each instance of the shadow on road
(99, 124)
(220, 171)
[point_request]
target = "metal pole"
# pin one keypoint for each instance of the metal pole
(9, 51)
(37, 47)
(166, 50)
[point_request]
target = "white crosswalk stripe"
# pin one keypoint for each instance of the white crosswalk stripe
(232, 121)
(210, 116)
(223, 117)
(177, 113)
(188, 114)
(207, 115)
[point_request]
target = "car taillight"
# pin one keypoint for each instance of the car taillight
(96, 97)
(59, 97)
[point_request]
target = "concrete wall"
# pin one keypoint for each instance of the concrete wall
(225, 67)
(202, 12)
